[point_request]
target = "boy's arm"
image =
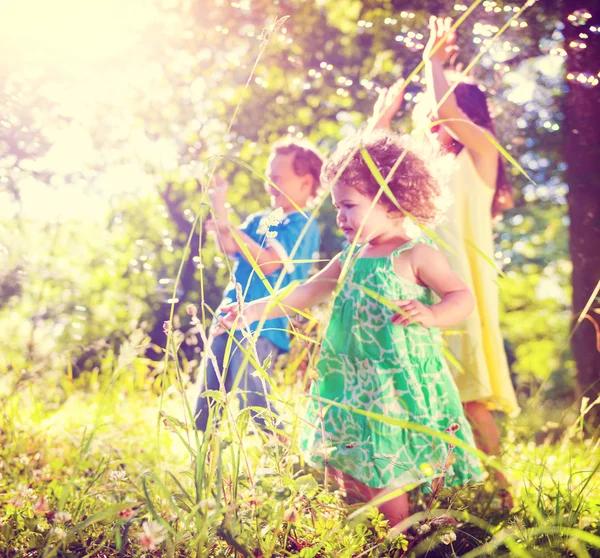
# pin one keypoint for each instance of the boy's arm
(222, 235)
(228, 243)
(433, 270)
(266, 257)
(317, 289)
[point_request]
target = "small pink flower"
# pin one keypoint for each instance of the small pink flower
(453, 428)
(41, 506)
(125, 514)
(153, 534)
(16, 501)
(167, 327)
(290, 515)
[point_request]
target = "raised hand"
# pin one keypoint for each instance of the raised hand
(442, 34)
(413, 311)
(230, 316)
(387, 105)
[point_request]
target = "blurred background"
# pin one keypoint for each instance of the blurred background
(113, 113)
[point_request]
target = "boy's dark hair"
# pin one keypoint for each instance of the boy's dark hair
(307, 159)
(414, 187)
(472, 101)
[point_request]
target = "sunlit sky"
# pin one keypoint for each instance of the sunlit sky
(59, 33)
(81, 48)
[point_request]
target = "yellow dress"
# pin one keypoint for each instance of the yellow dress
(476, 343)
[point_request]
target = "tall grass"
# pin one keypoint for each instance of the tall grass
(88, 447)
(109, 464)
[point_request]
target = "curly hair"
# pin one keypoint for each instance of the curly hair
(307, 159)
(413, 184)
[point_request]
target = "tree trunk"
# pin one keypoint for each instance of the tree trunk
(582, 154)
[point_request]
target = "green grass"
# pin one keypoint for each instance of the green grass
(114, 452)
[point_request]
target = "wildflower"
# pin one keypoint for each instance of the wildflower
(125, 514)
(448, 538)
(272, 220)
(27, 493)
(424, 529)
(453, 428)
(167, 327)
(192, 310)
(58, 533)
(117, 476)
(153, 534)
(41, 506)
(16, 501)
(275, 217)
(62, 517)
(290, 515)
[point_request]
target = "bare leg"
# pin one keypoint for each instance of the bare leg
(485, 429)
(487, 438)
(394, 510)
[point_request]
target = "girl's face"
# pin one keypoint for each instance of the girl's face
(354, 210)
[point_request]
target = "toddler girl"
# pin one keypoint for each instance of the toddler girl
(382, 351)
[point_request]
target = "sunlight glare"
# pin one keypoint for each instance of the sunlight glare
(63, 32)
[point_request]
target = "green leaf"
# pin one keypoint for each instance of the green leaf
(180, 500)
(216, 395)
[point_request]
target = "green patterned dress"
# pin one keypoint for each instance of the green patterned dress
(368, 363)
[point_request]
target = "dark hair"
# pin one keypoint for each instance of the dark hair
(413, 186)
(307, 159)
(473, 103)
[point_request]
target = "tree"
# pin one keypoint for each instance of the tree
(582, 154)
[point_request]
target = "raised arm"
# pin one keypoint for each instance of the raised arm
(230, 244)
(458, 123)
(267, 257)
(387, 105)
(317, 289)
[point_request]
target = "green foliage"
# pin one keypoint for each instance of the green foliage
(83, 468)
(92, 471)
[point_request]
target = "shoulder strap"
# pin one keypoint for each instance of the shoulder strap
(421, 239)
(347, 252)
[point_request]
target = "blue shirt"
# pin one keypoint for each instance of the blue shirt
(283, 238)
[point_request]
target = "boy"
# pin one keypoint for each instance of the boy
(294, 167)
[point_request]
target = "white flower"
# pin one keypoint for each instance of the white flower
(117, 476)
(271, 220)
(58, 533)
(26, 492)
(275, 217)
(62, 517)
(448, 538)
(423, 529)
(153, 534)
